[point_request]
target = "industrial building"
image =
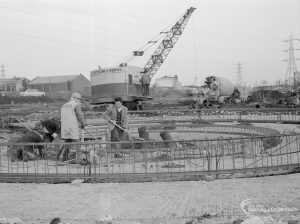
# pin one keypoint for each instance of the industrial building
(11, 85)
(168, 82)
(55, 85)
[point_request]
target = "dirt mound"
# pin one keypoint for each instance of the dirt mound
(268, 95)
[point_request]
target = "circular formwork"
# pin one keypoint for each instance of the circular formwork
(192, 151)
(187, 148)
(198, 150)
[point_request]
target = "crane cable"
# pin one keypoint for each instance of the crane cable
(150, 43)
(195, 52)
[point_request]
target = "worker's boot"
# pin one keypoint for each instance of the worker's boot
(118, 154)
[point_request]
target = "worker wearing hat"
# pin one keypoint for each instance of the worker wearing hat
(72, 121)
(116, 115)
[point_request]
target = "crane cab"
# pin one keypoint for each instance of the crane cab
(122, 81)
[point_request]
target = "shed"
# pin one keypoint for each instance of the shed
(52, 85)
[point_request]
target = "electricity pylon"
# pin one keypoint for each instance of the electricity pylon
(291, 76)
(239, 79)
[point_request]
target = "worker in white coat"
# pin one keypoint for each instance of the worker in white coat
(72, 121)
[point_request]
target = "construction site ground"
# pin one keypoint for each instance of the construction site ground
(216, 201)
(185, 202)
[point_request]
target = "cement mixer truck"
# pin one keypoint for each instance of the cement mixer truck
(216, 92)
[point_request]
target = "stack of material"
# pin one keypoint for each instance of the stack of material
(143, 133)
(271, 96)
(165, 135)
(272, 141)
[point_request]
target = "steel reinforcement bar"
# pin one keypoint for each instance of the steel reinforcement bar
(185, 131)
(290, 115)
(136, 161)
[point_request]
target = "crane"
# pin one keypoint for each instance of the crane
(127, 81)
(163, 50)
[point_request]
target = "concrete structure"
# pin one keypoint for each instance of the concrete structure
(11, 85)
(53, 85)
(168, 82)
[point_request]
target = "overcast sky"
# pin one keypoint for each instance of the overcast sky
(68, 37)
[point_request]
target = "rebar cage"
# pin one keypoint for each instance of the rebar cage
(238, 150)
(135, 161)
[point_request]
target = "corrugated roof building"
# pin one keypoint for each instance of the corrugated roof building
(54, 85)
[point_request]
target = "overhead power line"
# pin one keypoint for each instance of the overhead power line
(221, 36)
(57, 41)
(117, 12)
(71, 30)
(63, 47)
(72, 22)
(94, 15)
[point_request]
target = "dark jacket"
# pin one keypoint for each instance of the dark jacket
(52, 126)
(111, 114)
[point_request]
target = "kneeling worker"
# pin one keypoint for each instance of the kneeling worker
(51, 130)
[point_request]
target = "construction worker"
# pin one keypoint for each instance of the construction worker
(26, 152)
(117, 117)
(145, 82)
(51, 130)
(72, 121)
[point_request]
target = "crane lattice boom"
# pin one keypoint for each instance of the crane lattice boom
(167, 44)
